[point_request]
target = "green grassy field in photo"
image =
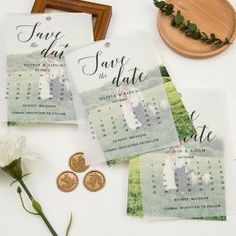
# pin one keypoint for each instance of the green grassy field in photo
(135, 205)
(214, 191)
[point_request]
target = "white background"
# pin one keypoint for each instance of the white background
(104, 213)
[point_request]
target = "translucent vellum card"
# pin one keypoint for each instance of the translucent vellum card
(184, 127)
(37, 86)
(121, 89)
(189, 181)
(181, 117)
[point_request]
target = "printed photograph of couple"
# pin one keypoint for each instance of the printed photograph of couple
(38, 90)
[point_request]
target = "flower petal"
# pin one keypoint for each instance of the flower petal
(11, 147)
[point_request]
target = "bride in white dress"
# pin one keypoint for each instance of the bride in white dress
(169, 173)
(44, 80)
(127, 109)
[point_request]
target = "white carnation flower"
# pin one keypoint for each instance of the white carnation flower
(11, 148)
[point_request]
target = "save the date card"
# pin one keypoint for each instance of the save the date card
(121, 89)
(188, 181)
(37, 87)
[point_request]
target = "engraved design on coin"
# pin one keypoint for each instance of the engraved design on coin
(67, 181)
(94, 181)
(77, 162)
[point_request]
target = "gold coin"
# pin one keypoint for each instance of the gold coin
(67, 181)
(94, 181)
(77, 162)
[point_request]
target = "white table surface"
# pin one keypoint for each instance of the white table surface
(104, 213)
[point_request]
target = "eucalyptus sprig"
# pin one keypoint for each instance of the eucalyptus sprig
(190, 29)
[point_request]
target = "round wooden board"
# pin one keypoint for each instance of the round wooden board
(211, 16)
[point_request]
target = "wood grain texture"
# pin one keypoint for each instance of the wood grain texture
(211, 16)
(101, 12)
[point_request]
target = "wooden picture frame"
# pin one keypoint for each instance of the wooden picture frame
(102, 13)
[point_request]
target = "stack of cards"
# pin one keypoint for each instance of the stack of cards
(133, 109)
(127, 107)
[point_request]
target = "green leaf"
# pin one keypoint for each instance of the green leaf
(179, 19)
(183, 27)
(188, 33)
(211, 40)
(170, 7)
(37, 206)
(226, 42)
(169, 12)
(15, 181)
(159, 4)
(69, 225)
(196, 35)
(192, 27)
(173, 22)
(204, 36)
(212, 36)
(218, 42)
